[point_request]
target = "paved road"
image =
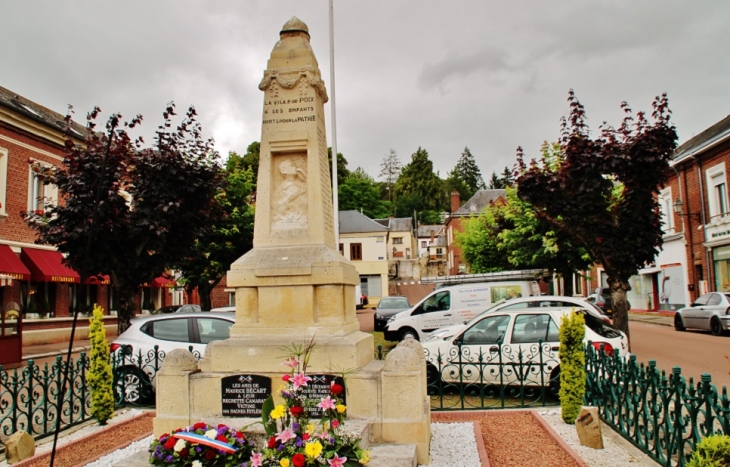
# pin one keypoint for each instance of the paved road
(695, 352)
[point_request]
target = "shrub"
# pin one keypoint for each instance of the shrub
(572, 366)
(713, 451)
(99, 376)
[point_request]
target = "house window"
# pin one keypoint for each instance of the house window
(424, 243)
(342, 249)
(40, 194)
(3, 180)
(439, 251)
(717, 190)
(667, 210)
(397, 240)
(355, 251)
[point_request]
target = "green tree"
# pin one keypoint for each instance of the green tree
(129, 212)
(229, 238)
(248, 160)
(500, 182)
(480, 244)
(342, 172)
(602, 193)
(418, 188)
(389, 171)
(466, 169)
(99, 376)
(361, 193)
(455, 184)
(572, 366)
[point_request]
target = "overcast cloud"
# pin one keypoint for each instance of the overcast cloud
(486, 75)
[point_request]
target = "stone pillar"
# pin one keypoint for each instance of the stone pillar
(173, 391)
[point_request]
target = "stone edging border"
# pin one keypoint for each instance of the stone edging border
(123, 444)
(483, 457)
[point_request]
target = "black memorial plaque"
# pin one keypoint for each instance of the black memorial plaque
(244, 395)
(319, 388)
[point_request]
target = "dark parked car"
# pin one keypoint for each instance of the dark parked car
(601, 297)
(387, 307)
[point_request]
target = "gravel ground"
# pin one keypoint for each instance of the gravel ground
(510, 440)
(453, 445)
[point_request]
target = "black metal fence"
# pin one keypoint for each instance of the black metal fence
(493, 377)
(663, 415)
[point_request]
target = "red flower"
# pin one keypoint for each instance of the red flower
(240, 435)
(220, 425)
(305, 436)
(184, 452)
(296, 410)
(199, 426)
(272, 442)
(164, 435)
(209, 455)
(170, 443)
(221, 438)
(336, 389)
(285, 378)
(298, 460)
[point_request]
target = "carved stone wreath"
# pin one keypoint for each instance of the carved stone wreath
(305, 75)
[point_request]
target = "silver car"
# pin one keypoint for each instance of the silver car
(137, 362)
(710, 312)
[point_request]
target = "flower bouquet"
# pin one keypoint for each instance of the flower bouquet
(199, 445)
(295, 439)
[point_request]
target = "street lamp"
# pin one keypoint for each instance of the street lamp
(678, 209)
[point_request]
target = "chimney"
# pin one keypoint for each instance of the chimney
(455, 201)
(432, 237)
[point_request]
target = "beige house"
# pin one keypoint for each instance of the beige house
(401, 238)
(364, 242)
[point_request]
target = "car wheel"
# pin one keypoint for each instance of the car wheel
(554, 384)
(406, 333)
(678, 324)
(433, 377)
(715, 327)
(132, 386)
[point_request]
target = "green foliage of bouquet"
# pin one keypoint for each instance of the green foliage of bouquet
(171, 450)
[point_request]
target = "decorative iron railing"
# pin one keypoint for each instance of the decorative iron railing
(496, 376)
(29, 397)
(663, 415)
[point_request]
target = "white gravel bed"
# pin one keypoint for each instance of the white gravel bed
(80, 433)
(453, 445)
(612, 455)
(121, 454)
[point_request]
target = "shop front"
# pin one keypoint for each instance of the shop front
(13, 277)
(49, 292)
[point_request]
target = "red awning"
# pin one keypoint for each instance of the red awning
(47, 266)
(99, 279)
(163, 282)
(10, 264)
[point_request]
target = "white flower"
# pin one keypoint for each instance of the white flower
(212, 433)
(180, 445)
(197, 464)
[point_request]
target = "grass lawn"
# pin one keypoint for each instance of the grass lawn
(380, 340)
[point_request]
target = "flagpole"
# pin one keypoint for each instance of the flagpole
(335, 197)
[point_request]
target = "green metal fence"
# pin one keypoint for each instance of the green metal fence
(663, 415)
(29, 395)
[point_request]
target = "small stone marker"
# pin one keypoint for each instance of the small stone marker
(244, 395)
(588, 426)
(20, 446)
(319, 388)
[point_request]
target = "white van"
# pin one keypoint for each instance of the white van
(453, 305)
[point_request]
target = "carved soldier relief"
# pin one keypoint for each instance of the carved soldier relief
(289, 199)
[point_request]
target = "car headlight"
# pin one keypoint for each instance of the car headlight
(378, 316)
(392, 318)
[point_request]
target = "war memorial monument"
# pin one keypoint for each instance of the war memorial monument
(294, 286)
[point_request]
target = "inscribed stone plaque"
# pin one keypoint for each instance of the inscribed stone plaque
(319, 388)
(244, 395)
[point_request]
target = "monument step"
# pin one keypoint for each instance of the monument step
(393, 455)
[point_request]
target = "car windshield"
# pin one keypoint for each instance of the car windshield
(389, 303)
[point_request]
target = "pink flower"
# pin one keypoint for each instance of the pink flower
(291, 363)
(335, 423)
(337, 461)
(327, 404)
(256, 459)
(285, 435)
(300, 379)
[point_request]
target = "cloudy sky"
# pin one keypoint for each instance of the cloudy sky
(486, 75)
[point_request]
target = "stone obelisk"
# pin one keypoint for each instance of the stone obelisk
(294, 284)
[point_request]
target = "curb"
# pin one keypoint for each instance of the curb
(55, 353)
(557, 438)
